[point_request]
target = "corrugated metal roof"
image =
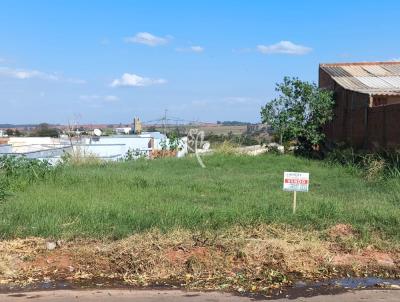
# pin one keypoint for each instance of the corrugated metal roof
(393, 69)
(376, 78)
(395, 81)
(374, 82)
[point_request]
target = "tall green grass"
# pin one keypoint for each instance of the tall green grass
(117, 199)
(374, 165)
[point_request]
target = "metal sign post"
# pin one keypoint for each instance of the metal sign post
(296, 182)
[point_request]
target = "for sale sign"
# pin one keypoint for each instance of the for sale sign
(296, 181)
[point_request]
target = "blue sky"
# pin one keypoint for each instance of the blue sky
(108, 61)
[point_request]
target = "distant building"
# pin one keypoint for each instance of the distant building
(42, 148)
(367, 103)
(137, 126)
(123, 130)
(103, 147)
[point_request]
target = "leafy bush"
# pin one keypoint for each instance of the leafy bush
(22, 167)
(173, 142)
(133, 154)
(16, 172)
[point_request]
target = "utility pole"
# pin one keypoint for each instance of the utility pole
(165, 121)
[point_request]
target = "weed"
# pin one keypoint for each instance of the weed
(227, 148)
(374, 167)
(80, 157)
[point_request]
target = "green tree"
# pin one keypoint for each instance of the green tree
(18, 133)
(299, 112)
(45, 130)
(10, 132)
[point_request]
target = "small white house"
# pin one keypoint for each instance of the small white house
(3, 133)
(123, 130)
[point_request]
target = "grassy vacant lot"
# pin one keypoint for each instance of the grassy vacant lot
(118, 199)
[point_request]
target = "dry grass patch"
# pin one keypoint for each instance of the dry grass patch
(240, 258)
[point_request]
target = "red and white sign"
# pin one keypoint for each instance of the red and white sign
(296, 181)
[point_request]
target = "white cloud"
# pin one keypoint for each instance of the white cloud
(394, 60)
(24, 74)
(2, 60)
(134, 80)
(284, 47)
(147, 39)
(197, 49)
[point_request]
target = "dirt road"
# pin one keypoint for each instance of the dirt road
(183, 296)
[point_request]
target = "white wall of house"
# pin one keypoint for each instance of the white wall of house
(5, 149)
(103, 151)
(123, 130)
(19, 141)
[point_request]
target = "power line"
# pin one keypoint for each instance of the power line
(165, 120)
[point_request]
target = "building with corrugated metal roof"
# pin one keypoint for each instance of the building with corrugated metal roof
(367, 103)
